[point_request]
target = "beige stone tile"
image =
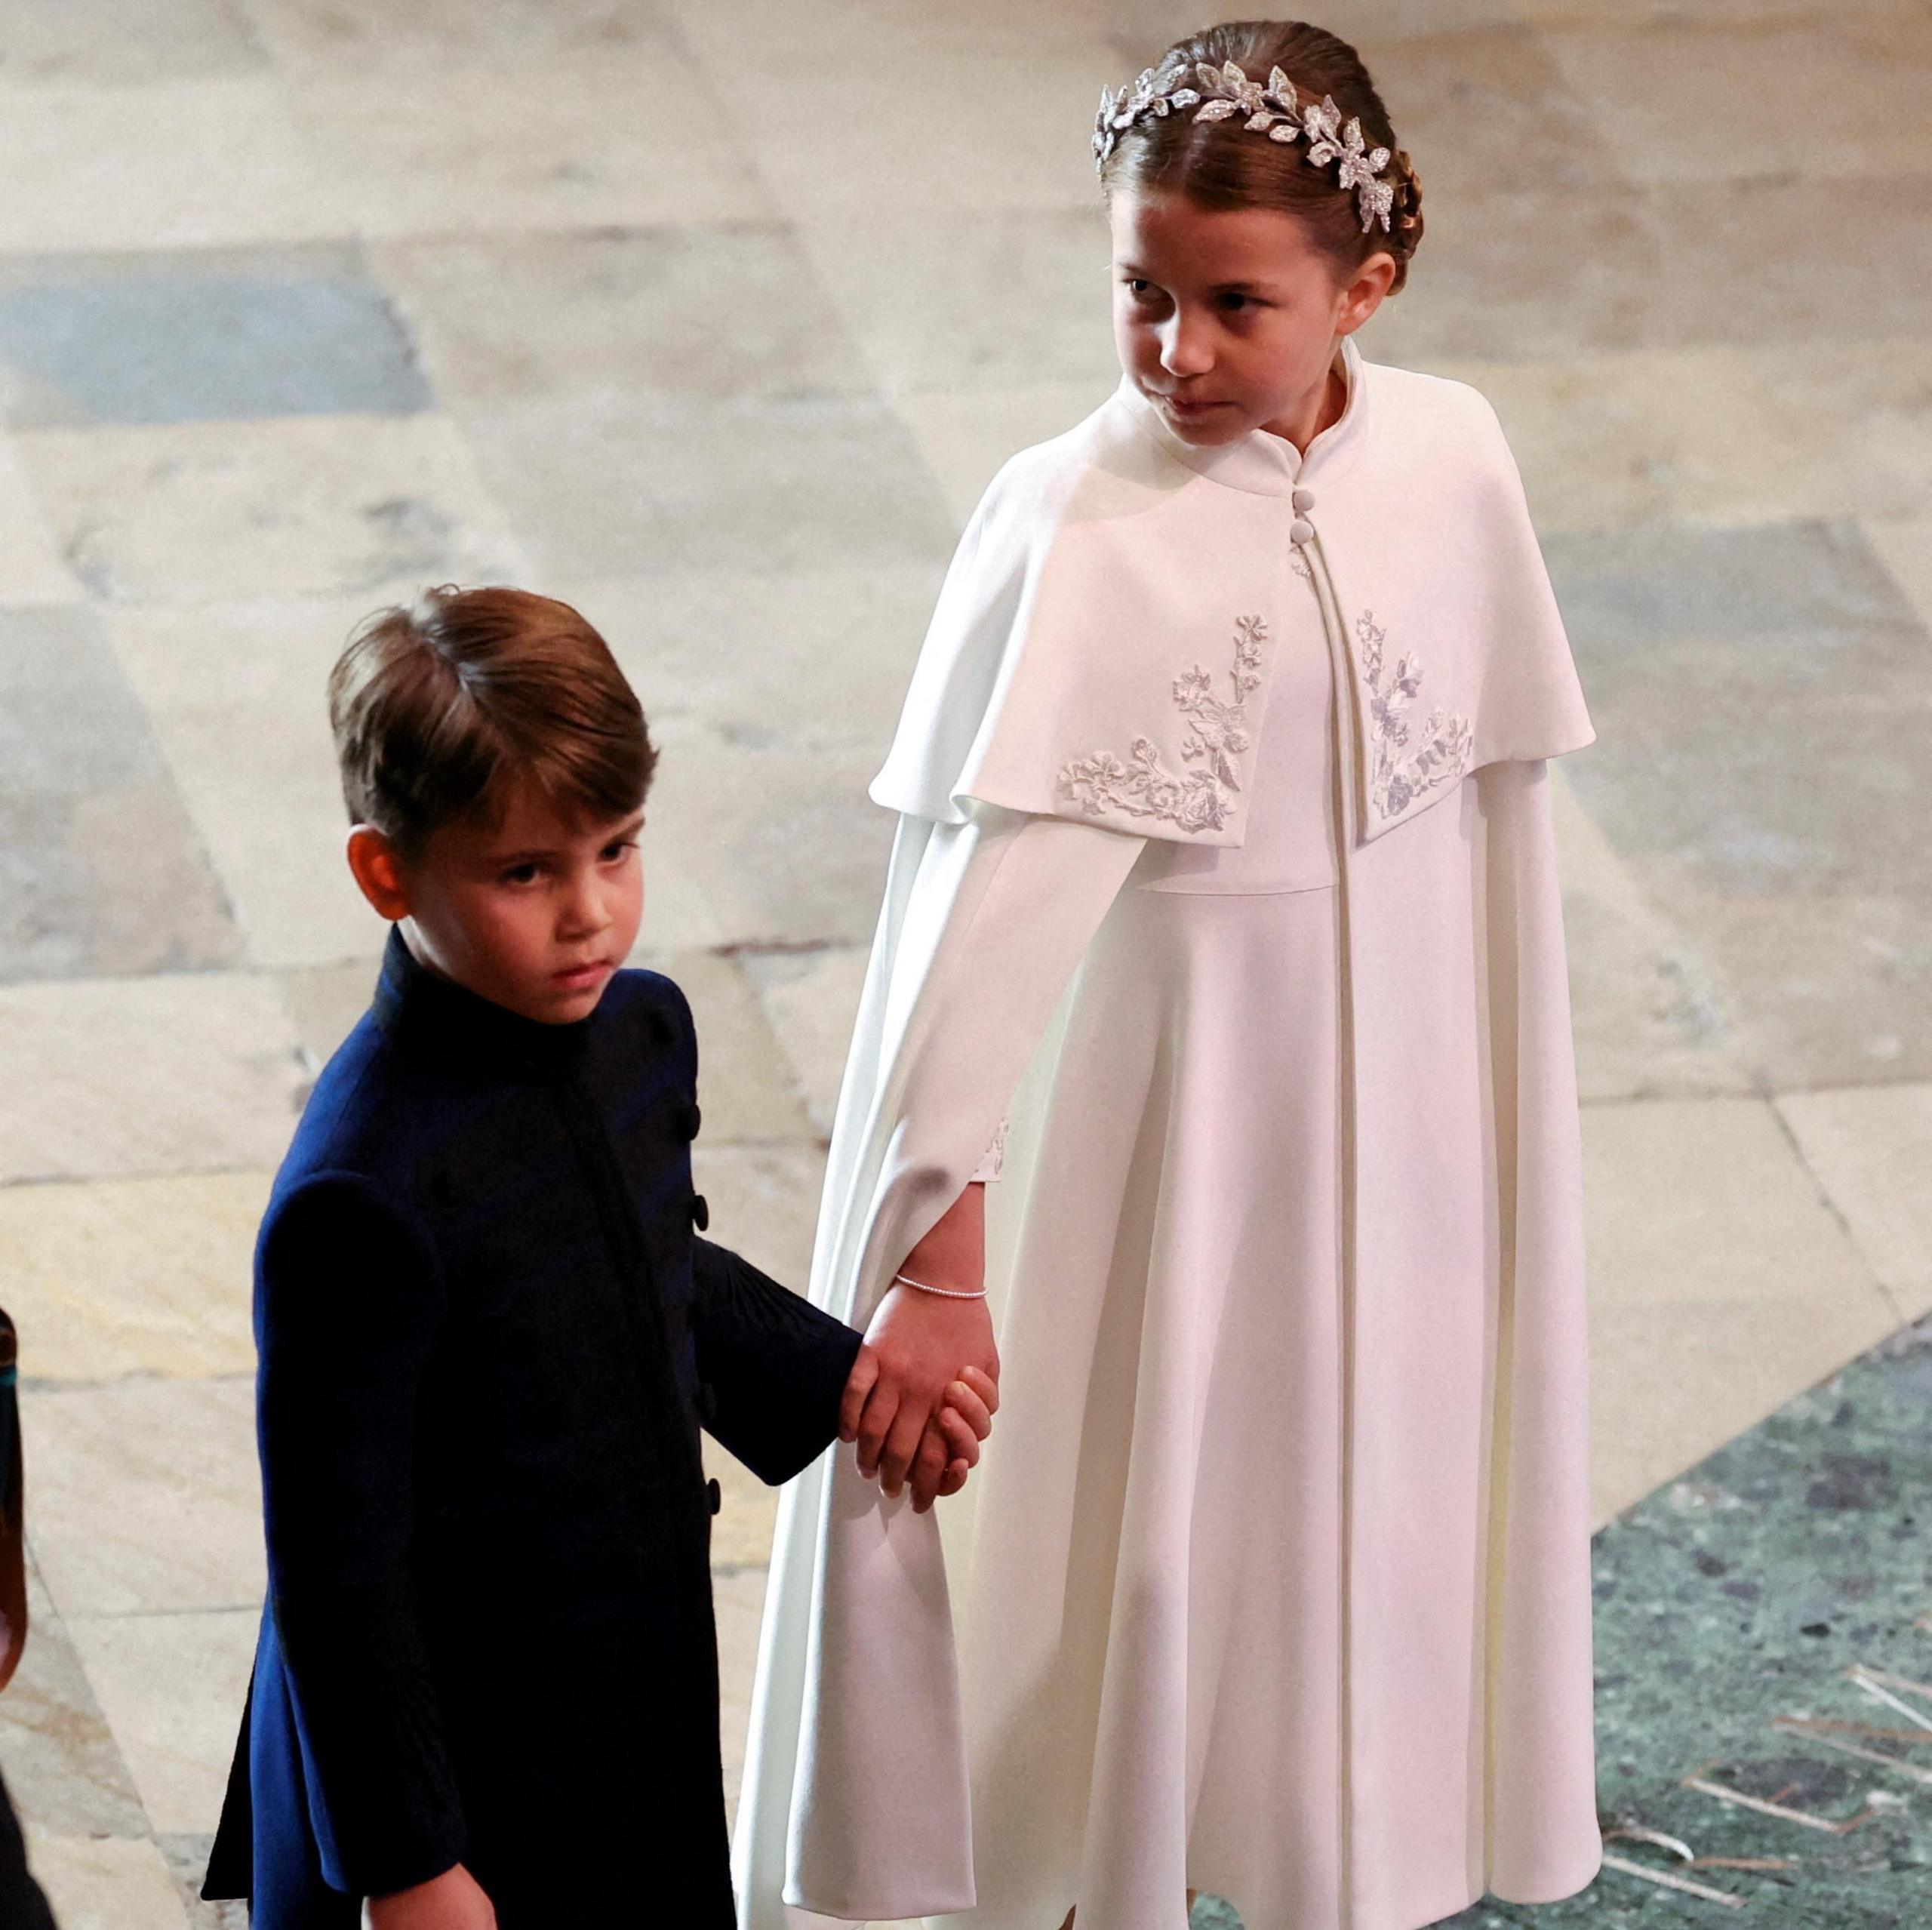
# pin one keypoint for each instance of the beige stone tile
(64, 1775)
(1704, 1200)
(764, 1204)
(173, 1687)
(1715, 100)
(1720, 1284)
(1671, 1384)
(965, 439)
(192, 163)
(620, 310)
(146, 1496)
(108, 1077)
(236, 695)
(347, 36)
(31, 568)
(1717, 435)
(105, 1882)
(108, 1278)
(1649, 1016)
(741, 1530)
(759, 847)
(1870, 1148)
(1144, 28)
(969, 299)
(814, 659)
(200, 513)
(742, 1083)
(902, 45)
(740, 1602)
(578, 139)
(1904, 545)
(1030, 126)
(811, 999)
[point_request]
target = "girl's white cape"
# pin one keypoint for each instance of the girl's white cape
(1101, 570)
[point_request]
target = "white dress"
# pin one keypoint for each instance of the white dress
(1274, 1579)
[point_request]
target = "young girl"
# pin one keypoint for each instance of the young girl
(1224, 879)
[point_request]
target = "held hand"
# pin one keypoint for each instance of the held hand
(454, 1901)
(949, 1448)
(920, 1342)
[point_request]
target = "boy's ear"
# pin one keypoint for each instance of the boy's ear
(378, 872)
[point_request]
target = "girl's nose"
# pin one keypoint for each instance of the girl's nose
(1184, 350)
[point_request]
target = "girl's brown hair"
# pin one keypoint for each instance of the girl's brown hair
(1220, 164)
(439, 707)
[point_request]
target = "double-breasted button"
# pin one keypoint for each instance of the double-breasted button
(1303, 499)
(701, 1211)
(686, 1120)
(713, 1495)
(1301, 531)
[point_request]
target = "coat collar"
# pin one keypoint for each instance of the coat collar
(1259, 463)
(445, 1021)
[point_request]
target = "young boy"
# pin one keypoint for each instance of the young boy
(486, 1689)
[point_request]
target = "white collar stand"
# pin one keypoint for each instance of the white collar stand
(1261, 464)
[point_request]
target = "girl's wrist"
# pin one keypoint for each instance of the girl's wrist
(938, 1290)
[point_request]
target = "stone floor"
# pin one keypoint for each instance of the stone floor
(713, 316)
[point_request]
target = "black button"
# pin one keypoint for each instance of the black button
(701, 1211)
(686, 1120)
(707, 1402)
(713, 1495)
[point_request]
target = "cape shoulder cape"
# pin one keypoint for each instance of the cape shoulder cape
(1102, 646)
(1097, 676)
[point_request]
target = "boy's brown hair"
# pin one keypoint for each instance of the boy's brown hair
(437, 707)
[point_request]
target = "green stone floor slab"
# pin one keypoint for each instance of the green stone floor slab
(1734, 1604)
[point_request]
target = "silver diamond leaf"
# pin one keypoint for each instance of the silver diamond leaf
(1218, 110)
(1284, 131)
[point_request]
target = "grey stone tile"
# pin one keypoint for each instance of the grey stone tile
(1675, 263)
(187, 1855)
(100, 868)
(193, 335)
(1762, 704)
(610, 486)
(64, 1770)
(109, 42)
(971, 300)
(724, 309)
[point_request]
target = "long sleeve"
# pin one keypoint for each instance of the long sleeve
(774, 1365)
(858, 1700)
(348, 1306)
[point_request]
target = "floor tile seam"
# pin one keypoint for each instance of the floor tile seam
(16, 1182)
(1880, 1285)
(178, 1613)
(54, 1384)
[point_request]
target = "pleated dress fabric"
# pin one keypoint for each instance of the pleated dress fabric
(1152, 1638)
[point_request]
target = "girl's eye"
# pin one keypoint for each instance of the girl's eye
(1138, 288)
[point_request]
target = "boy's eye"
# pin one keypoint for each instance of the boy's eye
(1233, 302)
(614, 852)
(526, 873)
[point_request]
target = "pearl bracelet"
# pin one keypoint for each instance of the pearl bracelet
(944, 1293)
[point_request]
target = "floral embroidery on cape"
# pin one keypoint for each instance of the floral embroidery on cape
(1398, 775)
(1199, 800)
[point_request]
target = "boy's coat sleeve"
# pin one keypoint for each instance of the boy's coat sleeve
(348, 1305)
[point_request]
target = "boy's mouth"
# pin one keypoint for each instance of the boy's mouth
(581, 977)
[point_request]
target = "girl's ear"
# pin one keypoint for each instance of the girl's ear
(1365, 291)
(378, 872)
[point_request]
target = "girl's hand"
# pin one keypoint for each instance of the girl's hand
(454, 1901)
(949, 1449)
(920, 1342)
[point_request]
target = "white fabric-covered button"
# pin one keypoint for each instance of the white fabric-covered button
(1304, 499)
(1301, 530)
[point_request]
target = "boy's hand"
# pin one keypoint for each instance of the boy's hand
(919, 1342)
(454, 1901)
(949, 1449)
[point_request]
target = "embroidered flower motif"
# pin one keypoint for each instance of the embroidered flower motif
(1398, 775)
(1199, 800)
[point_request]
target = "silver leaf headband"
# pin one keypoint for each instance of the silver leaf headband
(1219, 94)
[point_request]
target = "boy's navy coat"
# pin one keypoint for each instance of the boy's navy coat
(488, 1333)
